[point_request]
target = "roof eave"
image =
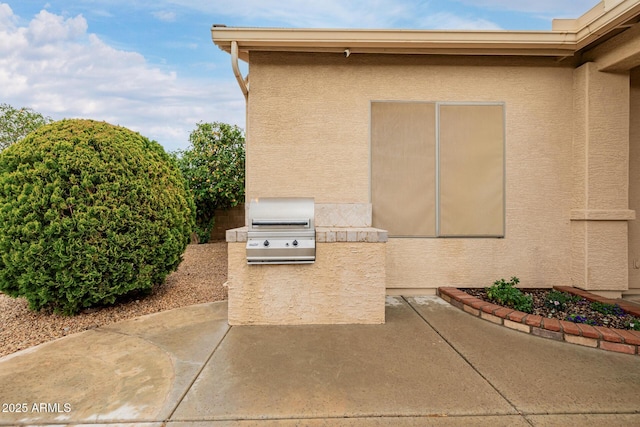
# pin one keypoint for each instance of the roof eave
(567, 38)
(396, 41)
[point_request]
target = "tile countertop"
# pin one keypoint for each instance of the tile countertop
(326, 235)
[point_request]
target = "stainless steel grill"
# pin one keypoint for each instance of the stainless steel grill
(281, 231)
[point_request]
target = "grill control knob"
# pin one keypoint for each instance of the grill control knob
(295, 243)
(266, 243)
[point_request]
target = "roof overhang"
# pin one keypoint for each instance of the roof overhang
(565, 39)
(395, 41)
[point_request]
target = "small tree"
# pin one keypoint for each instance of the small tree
(16, 123)
(213, 166)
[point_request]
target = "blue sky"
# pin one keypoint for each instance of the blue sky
(150, 65)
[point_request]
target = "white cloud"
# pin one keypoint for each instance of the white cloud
(56, 67)
(339, 14)
(449, 21)
(313, 14)
(47, 28)
(377, 13)
(7, 19)
(164, 15)
(346, 14)
(550, 8)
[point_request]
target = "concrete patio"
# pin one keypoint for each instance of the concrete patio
(430, 364)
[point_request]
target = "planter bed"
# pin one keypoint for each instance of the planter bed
(610, 339)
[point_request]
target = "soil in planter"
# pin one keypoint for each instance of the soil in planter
(581, 308)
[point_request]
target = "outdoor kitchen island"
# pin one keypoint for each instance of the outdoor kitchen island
(344, 285)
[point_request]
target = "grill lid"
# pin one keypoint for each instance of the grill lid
(281, 213)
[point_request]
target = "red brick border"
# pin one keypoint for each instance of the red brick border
(610, 339)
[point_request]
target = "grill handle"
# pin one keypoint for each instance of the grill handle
(280, 222)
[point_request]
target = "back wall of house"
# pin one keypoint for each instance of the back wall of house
(308, 134)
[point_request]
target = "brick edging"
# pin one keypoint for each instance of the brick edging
(610, 339)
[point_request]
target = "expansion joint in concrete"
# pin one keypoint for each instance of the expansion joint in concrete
(197, 375)
(467, 361)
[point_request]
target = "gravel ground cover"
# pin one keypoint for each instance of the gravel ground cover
(199, 279)
(580, 307)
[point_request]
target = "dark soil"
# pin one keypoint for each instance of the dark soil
(580, 309)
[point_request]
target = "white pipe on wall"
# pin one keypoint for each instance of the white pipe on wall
(236, 70)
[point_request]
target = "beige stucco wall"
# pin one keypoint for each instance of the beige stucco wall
(634, 181)
(600, 165)
(346, 284)
(309, 118)
(601, 124)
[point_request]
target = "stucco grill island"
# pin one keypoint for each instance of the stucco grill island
(335, 274)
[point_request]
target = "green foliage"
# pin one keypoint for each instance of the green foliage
(610, 309)
(632, 323)
(89, 212)
(213, 167)
(203, 230)
(505, 293)
(558, 300)
(576, 318)
(16, 123)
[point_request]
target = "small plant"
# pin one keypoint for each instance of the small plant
(557, 300)
(633, 323)
(505, 293)
(203, 230)
(609, 309)
(575, 318)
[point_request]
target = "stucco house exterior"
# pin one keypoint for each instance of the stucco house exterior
(442, 158)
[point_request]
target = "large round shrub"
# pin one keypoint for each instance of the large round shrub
(88, 212)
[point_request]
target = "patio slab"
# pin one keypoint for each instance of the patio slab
(401, 368)
(137, 370)
(429, 365)
(536, 375)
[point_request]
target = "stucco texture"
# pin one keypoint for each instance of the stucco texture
(634, 181)
(345, 285)
(601, 179)
(309, 135)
